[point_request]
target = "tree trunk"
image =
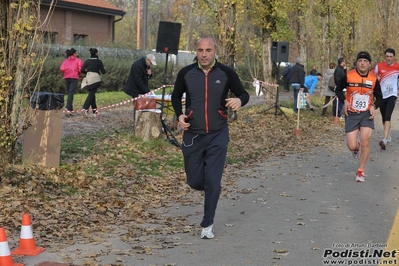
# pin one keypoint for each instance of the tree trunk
(269, 91)
(302, 42)
(325, 29)
(3, 17)
(190, 26)
(227, 20)
(20, 29)
(148, 125)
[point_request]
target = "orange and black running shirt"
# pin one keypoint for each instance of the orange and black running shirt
(360, 91)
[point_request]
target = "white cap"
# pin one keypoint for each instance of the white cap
(152, 59)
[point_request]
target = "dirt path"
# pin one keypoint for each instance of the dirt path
(111, 119)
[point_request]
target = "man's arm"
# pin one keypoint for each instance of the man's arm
(339, 89)
(338, 74)
(302, 78)
(102, 68)
(177, 93)
(83, 69)
(377, 94)
(139, 75)
(375, 70)
(236, 86)
(313, 86)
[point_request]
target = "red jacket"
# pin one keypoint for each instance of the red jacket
(71, 67)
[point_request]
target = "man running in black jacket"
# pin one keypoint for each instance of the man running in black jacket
(206, 84)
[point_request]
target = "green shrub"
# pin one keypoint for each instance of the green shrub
(51, 78)
(118, 69)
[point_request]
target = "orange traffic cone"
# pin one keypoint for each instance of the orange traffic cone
(27, 245)
(5, 255)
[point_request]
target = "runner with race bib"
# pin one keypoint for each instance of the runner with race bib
(387, 73)
(363, 97)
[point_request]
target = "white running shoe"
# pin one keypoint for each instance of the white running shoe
(84, 112)
(67, 112)
(383, 143)
(389, 139)
(360, 177)
(207, 232)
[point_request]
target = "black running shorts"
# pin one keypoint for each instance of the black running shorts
(356, 120)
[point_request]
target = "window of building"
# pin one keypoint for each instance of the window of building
(49, 37)
(79, 38)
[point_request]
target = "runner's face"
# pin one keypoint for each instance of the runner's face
(389, 58)
(206, 51)
(363, 66)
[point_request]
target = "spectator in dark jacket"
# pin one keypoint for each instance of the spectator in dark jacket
(297, 80)
(339, 72)
(286, 78)
(140, 73)
(313, 72)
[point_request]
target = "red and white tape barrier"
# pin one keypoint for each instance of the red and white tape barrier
(120, 103)
(263, 83)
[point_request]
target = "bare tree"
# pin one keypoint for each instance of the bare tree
(266, 18)
(226, 32)
(21, 63)
(387, 16)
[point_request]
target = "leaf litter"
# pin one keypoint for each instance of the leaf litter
(69, 205)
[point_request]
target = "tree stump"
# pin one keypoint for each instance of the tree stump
(148, 125)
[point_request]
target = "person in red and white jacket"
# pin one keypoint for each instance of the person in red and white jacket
(387, 73)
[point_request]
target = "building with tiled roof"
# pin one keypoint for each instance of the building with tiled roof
(82, 21)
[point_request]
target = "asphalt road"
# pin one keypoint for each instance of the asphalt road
(290, 211)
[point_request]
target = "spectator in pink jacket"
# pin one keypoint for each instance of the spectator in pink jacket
(71, 68)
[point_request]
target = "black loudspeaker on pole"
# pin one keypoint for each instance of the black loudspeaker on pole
(168, 37)
(168, 43)
(280, 51)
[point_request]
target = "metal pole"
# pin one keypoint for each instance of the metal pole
(138, 24)
(145, 24)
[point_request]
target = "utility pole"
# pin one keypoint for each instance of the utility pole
(145, 23)
(138, 24)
